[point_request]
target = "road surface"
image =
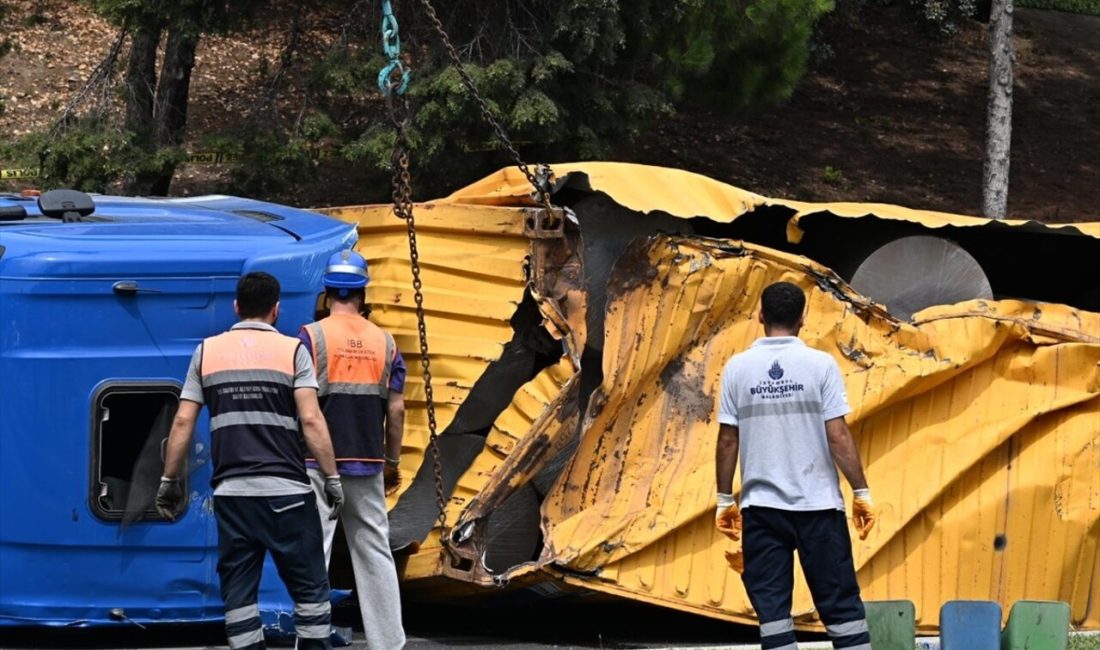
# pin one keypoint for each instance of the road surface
(547, 624)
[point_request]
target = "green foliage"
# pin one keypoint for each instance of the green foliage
(1082, 642)
(268, 160)
(87, 155)
(832, 175)
(568, 78)
(1090, 7)
(565, 78)
(200, 16)
(742, 55)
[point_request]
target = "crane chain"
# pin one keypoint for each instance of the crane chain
(393, 81)
(398, 107)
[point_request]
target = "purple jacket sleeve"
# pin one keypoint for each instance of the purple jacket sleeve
(398, 372)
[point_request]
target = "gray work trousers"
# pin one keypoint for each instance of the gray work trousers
(367, 530)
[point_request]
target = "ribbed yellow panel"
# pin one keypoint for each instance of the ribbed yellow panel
(471, 262)
(979, 426)
(472, 270)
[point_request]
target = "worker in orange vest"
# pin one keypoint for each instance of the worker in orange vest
(262, 395)
(361, 376)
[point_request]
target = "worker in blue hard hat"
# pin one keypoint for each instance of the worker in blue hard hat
(361, 375)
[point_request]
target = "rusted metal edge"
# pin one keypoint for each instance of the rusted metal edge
(556, 281)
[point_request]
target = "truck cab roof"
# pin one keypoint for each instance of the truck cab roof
(207, 234)
(217, 215)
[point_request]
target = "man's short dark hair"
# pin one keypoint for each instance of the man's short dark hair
(257, 293)
(782, 304)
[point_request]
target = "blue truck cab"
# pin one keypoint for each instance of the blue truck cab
(101, 310)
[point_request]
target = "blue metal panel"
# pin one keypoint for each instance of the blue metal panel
(970, 625)
(64, 332)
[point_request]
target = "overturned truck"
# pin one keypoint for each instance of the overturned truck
(576, 357)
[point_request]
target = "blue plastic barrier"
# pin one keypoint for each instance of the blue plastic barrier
(970, 625)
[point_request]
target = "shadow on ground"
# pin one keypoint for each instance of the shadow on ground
(574, 622)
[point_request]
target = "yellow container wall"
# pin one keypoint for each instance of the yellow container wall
(979, 423)
(981, 439)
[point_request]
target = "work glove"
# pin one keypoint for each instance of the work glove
(169, 501)
(736, 559)
(863, 512)
(334, 495)
(391, 477)
(728, 520)
(728, 517)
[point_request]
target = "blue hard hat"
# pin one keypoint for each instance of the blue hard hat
(346, 270)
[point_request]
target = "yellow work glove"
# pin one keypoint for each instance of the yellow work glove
(728, 517)
(736, 559)
(863, 512)
(728, 521)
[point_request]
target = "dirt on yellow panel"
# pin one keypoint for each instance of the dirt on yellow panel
(576, 361)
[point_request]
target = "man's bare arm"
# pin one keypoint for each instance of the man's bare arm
(843, 448)
(315, 429)
(179, 438)
(725, 458)
(395, 424)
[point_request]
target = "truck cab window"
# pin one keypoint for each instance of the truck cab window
(129, 432)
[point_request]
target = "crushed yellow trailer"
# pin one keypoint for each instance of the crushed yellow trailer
(575, 380)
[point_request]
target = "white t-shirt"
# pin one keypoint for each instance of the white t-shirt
(779, 393)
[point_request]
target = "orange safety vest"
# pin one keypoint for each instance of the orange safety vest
(353, 358)
(248, 386)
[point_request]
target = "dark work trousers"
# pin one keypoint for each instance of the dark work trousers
(290, 529)
(770, 538)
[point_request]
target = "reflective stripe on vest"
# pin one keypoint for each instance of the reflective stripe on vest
(248, 385)
(354, 359)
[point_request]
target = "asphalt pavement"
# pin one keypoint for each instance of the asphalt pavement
(574, 622)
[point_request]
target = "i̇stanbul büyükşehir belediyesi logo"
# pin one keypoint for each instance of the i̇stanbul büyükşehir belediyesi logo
(772, 388)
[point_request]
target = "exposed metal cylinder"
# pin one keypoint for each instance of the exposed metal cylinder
(919, 271)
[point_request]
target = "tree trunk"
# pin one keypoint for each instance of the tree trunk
(171, 100)
(998, 131)
(141, 81)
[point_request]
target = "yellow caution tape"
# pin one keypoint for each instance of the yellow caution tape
(193, 158)
(211, 158)
(24, 172)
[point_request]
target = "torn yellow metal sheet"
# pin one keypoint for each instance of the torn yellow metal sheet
(979, 422)
(641, 188)
(644, 188)
(925, 218)
(979, 426)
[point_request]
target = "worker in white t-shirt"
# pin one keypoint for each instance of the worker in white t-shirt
(782, 407)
